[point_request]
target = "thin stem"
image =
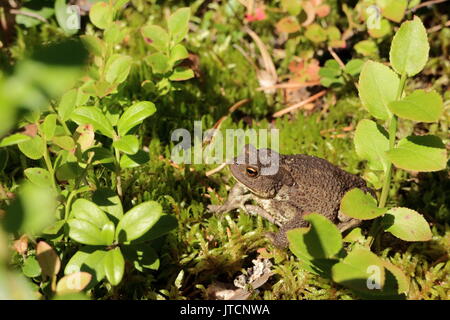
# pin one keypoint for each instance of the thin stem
(392, 133)
(375, 228)
(49, 165)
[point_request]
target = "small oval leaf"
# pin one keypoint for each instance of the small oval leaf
(360, 205)
(134, 115)
(419, 153)
(378, 86)
(138, 221)
(114, 265)
(409, 48)
(419, 106)
(407, 224)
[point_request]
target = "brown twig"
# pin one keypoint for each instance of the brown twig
(290, 85)
(438, 27)
(336, 57)
(28, 14)
(300, 104)
(425, 4)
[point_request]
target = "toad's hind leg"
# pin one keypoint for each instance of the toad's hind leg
(346, 222)
(280, 239)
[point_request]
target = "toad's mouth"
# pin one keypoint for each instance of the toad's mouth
(258, 193)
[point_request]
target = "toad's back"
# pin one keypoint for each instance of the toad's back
(319, 185)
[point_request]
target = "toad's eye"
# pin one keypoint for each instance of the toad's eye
(251, 172)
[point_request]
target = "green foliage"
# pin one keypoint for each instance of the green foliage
(381, 92)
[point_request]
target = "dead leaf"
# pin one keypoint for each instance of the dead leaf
(21, 245)
(74, 282)
(48, 259)
(85, 136)
(323, 10)
(288, 25)
(30, 130)
(310, 11)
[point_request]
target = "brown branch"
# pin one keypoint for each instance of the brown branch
(425, 4)
(300, 104)
(28, 14)
(290, 85)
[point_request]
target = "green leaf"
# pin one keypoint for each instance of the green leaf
(88, 259)
(33, 148)
(38, 176)
(85, 232)
(164, 225)
(83, 209)
(31, 267)
(409, 48)
(293, 7)
(13, 139)
(30, 21)
(419, 106)
(159, 62)
(393, 10)
(157, 37)
(134, 115)
(380, 31)
(354, 67)
(407, 225)
(178, 24)
(114, 266)
(127, 144)
(117, 68)
(331, 69)
(108, 201)
(101, 15)
(316, 33)
(419, 153)
(93, 116)
(64, 142)
(142, 255)
(360, 205)
(138, 221)
(378, 86)
(134, 160)
(108, 232)
(371, 143)
(298, 246)
(362, 271)
(177, 53)
(94, 44)
(118, 4)
(181, 74)
(367, 48)
(4, 156)
(67, 104)
(49, 126)
(32, 211)
(323, 239)
(114, 34)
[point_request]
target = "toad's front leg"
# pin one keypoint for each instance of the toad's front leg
(237, 198)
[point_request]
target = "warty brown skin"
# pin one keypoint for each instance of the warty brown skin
(302, 184)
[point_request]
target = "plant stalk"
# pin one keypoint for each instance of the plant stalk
(392, 129)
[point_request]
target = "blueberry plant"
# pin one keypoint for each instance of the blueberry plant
(71, 129)
(382, 93)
